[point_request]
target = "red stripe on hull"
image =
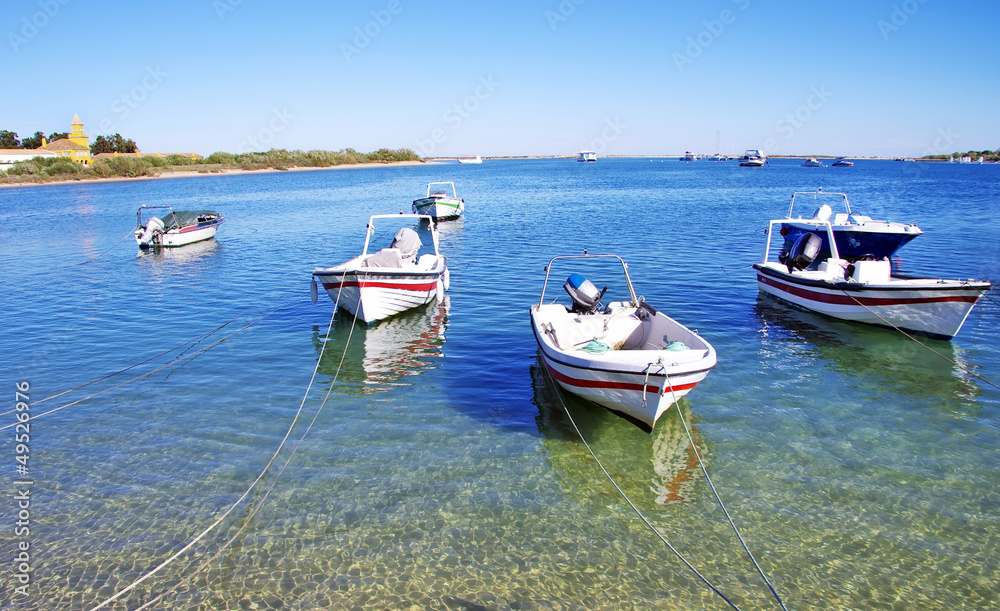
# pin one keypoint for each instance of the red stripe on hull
(850, 299)
(423, 287)
(615, 385)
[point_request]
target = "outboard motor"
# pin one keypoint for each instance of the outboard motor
(586, 297)
(804, 251)
(153, 227)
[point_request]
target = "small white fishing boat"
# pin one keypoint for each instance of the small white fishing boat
(840, 162)
(394, 279)
(470, 160)
(812, 162)
(175, 228)
(753, 158)
(857, 235)
(627, 356)
(587, 156)
(865, 290)
(438, 203)
(689, 156)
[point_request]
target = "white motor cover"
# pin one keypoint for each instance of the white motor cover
(153, 226)
(407, 241)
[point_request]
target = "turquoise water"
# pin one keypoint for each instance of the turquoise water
(442, 471)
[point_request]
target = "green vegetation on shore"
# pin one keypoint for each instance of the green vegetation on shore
(986, 155)
(50, 169)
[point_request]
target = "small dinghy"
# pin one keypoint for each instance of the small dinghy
(438, 203)
(865, 289)
(373, 286)
(626, 356)
(176, 228)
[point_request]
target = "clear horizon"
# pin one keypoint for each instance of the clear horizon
(878, 79)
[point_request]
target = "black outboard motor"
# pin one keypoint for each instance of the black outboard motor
(586, 297)
(804, 251)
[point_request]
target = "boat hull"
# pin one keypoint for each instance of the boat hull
(638, 385)
(374, 294)
(181, 236)
(441, 208)
(879, 240)
(929, 307)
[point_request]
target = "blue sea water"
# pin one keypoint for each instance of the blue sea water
(439, 470)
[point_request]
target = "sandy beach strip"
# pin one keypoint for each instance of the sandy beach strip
(221, 172)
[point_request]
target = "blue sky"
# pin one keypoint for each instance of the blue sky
(872, 78)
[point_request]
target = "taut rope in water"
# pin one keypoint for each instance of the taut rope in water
(629, 501)
(259, 504)
(701, 464)
(130, 233)
(147, 374)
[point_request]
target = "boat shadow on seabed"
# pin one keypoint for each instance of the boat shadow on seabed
(662, 463)
(884, 356)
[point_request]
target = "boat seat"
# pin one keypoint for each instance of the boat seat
(578, 331)
(387, 257)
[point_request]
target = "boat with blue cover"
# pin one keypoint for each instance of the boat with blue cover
(857, 235)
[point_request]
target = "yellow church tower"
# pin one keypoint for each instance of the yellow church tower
(76, 134)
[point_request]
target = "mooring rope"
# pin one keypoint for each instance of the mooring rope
(130, 233)
(629, 501)
(253, 485)
(152, 358)
(147, 374)
(701, 464)
(964, 369)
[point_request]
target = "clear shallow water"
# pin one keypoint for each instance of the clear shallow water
(442, 473)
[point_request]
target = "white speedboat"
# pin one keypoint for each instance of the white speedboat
(470, 160)
(812, 162)
(840, 162)
(373, 286)
(857, 235)
(587, 156)
(175, 228)
(438, 203)
(627, 356)
(753, 158)
(864, 290)
(689, 156)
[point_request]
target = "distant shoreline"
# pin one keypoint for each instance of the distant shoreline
(221, 172)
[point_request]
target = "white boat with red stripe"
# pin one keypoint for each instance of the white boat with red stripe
(626, 356)
(376, 285)
(864, 290)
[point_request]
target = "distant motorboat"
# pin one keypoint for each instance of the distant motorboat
(718, 157)
(689, 156)
(587, 156)
(753, 158)
(840, 162)
(812, 162)
(470, 160)
(438, 203)
(176, 228)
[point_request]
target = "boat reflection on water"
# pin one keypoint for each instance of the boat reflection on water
(660, 467)
(885, 357)
(381, 355)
